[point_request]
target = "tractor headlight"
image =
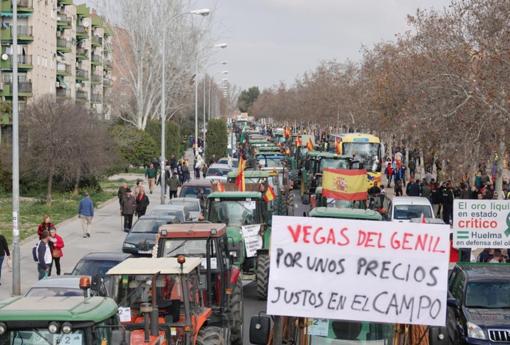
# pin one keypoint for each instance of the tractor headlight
(233, 253)
(66, 328)
(3, 328)
(474, 331)
(53, 327)
(129, 245)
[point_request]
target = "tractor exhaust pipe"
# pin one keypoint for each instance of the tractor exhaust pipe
(155, 311)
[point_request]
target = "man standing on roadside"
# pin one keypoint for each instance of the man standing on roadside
(150, 173)
(122, 191)
(128, 209)
(86, 213)
(43, 255)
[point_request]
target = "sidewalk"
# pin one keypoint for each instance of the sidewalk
(107, 235)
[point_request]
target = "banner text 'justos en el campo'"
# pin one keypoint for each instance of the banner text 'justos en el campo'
(358, 270)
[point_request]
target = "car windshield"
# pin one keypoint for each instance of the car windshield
(42, 336)
(192, 191)
(330, 332)
(407, 212)
(217, 172)
(93, 267)
(333, 164)
(53, 292)
(271, 162)
(188, 247)
(233, 213)
(148, 226)
(489, 295)
(190, 205)
(368, 153)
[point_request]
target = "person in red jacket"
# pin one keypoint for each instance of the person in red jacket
(56, 244)
(45, 225)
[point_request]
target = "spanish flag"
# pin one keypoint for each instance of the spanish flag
(269, 194)
(287, 132)
(309, 144)
(299, 143)
(220, 187)
(240, 175)
(338, 146)
(343, 184)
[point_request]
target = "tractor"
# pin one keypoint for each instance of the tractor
(238, 209)
(223, 291)
(160, 302)
(61, 320)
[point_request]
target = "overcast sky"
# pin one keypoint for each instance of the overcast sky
(277, 40)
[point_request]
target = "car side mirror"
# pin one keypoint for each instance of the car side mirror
(452, 302)
(260, 327)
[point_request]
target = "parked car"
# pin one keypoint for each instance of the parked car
(140, 240)
(191, 189)
(232, 162)
(405, 208)
(58, 286)
(98, 263)
(191, 205)
(218, 172)
(479, 304)
(177, 211)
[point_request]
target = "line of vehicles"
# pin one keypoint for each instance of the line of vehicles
(179, 278)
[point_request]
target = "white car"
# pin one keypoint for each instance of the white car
(405, 208)
(218, 172)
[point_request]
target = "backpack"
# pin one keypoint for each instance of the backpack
(35, 250)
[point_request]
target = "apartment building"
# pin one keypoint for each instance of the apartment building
(63, 50)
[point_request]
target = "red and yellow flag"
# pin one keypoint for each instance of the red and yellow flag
(343, 184)
(240, 175)
(338, 146)
(309, 144)
(299, 143)
(269, 194)
(287, 132)
(220, 187)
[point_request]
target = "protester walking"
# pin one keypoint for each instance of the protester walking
(46, 224)
(43, 255)
(185, 171)
(142, 202)
(56, 244)
(198, 166)
(151, 173)
(4, 251)
(173, 185)
(122, 191)
(128, 208)
(86, 214)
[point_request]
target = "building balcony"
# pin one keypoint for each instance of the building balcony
(97, 79)
(82, 32)
(63, 93)
(82, 96)
(24, 34)
(65, 2)
(97, 98)
(107, 82)
(96, 59)
(24, 63)
(82, 54)
(97, 41)
(63, 21)
(81, 74)
(24, 89)
(63, 69)
(63, 45)
(25, 7)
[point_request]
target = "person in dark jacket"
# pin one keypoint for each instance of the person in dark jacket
(447, 202)
(122, 192)
(128, 209)
(413, 188)
(173, 185)
(142, 202)
(4, 251)
(44, 258)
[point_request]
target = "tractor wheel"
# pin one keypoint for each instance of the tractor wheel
(262, 276)
(236, 314)
(211, 336)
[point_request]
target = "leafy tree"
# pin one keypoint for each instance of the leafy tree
(247, 98)
(173, 137)
(134, 145)
(216, 139)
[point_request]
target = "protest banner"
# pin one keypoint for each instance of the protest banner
(358, 270)
(252, 239)
(481, 223)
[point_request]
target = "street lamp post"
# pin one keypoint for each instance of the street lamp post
(201, 12)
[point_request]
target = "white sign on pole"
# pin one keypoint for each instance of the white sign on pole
(481, 223)
(358, 270)
(252, 239)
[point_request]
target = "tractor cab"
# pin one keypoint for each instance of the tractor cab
(61, 320)
(219, 279)
(160, 300)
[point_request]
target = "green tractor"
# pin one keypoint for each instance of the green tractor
(239, 209)
(60, 320)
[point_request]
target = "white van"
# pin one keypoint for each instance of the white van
(405, 208)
